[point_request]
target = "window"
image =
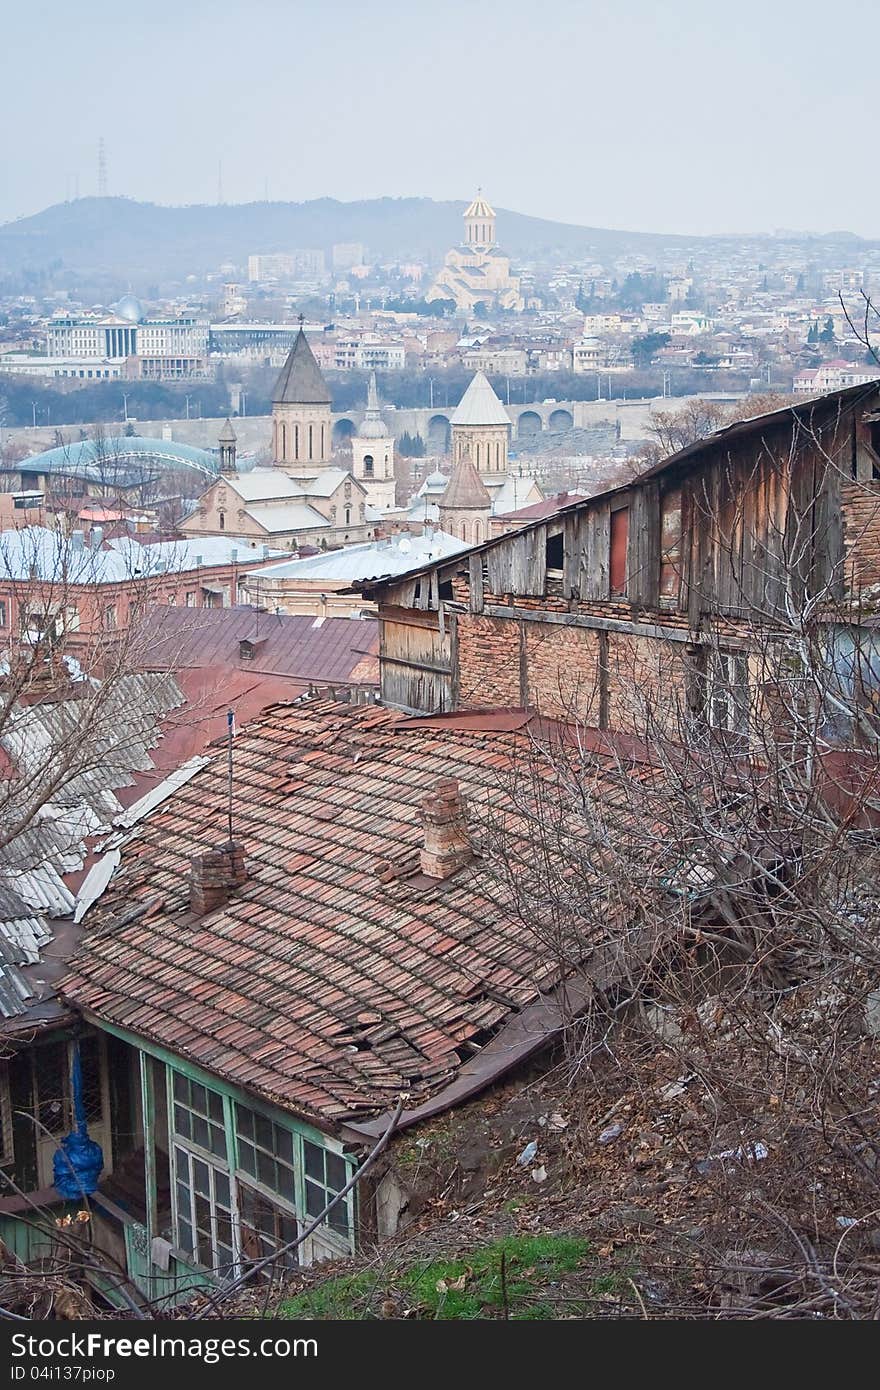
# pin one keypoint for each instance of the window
(198, 1115)
(265, 1152)
(264, 1229)
(2, 613)
(554, 553)
(203, 1211)
(670, 544)
(728, 694)
(326, 1174)
(109, 618)
(348, 516)
(619, 539)
(368, 465)
(221, 517)
(190, 599)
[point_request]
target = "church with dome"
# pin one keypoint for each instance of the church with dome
(482, 485)
(477, 271)
(372, 454)
(305, 496)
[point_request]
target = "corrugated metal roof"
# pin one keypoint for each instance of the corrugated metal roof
(36, 552)
(373, 559)
(117, 730)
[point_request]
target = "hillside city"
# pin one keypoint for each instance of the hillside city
(439, 771)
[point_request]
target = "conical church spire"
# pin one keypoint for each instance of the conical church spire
(301, 382)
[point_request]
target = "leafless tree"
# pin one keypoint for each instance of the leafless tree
(708, 882)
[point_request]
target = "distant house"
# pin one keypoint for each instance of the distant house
(86, 589)
(325, 584)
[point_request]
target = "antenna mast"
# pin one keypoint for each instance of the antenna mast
(102, 168)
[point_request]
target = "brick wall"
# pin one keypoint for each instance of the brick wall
(488, 662)
(860, 504)
(559, 671)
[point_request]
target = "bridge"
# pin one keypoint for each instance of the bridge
(528, 420)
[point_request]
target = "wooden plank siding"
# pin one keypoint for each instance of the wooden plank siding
(417, 659)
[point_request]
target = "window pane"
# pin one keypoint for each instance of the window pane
(183, 1200)
(184, 1231)
(316, 1199)
(200, 1178)
(182, 1122)
(266, 1169)
(285, 1183)
(203, 1216)
(215, 1106)
(181, 1088)
(284, 1144)
(221, 1189)
(198, 1097)
(200, 1131)
(218, 1141)
(247, 1158)
(314, 1158)
(244, 1120)
(337, 1172)
(264, 1132)
(339, 1218)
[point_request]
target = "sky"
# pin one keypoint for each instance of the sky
(686, 116)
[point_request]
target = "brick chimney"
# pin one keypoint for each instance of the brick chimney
(213, 875)
(446, 846)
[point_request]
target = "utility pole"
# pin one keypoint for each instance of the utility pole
(125, 407)
(102, 168)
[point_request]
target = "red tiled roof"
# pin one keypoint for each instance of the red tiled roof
(317, 985)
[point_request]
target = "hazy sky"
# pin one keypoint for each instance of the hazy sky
(685, 116)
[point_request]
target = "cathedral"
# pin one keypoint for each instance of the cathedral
(477, 272)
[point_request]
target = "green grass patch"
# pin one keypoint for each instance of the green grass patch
(517, 1271)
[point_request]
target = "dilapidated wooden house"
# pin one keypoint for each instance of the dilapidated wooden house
(665, 590)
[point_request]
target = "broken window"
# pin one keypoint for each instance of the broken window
(554, 552)
(619, 539)
(264, 1228)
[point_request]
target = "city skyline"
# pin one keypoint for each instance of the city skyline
(625, 121)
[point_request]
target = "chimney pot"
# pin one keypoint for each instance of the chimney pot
(446, 847)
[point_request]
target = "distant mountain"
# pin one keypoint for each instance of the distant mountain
(143, 242)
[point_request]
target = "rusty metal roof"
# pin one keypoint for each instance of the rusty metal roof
(319, 985)
(305, 648)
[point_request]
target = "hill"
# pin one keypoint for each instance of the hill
(143, 242)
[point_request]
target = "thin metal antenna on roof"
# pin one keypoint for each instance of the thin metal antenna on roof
(230, 730)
